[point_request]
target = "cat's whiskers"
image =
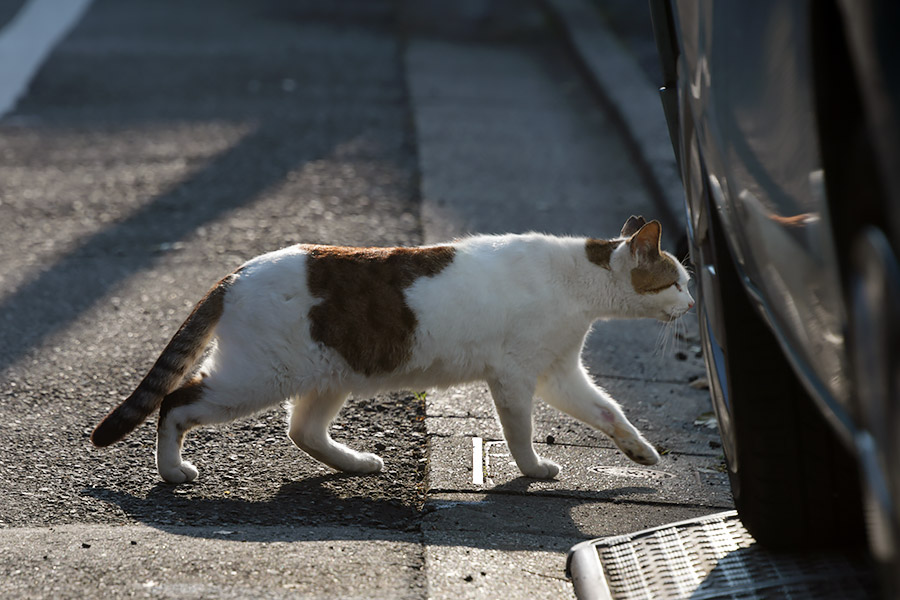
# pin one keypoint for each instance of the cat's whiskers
(672, 335)
(685, 326)
(663, 337)
(681, 328)
(660, 339)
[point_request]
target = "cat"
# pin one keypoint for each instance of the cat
(312, 324)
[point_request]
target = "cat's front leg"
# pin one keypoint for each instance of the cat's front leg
(570, 389)
(513, 399)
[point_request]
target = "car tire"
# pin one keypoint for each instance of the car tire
(794, 484)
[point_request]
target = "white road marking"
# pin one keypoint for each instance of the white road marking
(477, 461)
(28, 39)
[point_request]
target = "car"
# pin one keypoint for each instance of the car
(784, 116)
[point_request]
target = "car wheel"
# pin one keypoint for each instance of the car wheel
(794, 484)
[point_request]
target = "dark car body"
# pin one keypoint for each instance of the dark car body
(785, 118)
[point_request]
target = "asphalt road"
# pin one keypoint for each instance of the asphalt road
(164, 143)
(156, 151)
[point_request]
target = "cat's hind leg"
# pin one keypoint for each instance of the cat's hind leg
(199, 402)
(311, 415)
(513, 399)
(569, 388)
(170, 432)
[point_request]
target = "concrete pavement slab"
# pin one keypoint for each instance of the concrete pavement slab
(587, 472)
(562, 519)
(667, 416)
(508, 141)
(645, 349)
(627, 359)
(234, 561)
(617, 76)
(494, 546)
(458, 567)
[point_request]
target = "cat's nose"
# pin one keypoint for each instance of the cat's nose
(690, 305)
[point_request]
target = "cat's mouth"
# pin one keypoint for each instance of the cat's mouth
(667, 317)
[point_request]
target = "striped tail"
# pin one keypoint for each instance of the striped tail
(170, 368)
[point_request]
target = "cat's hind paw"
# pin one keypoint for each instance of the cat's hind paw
(182, 473)
(366, 462)
(544, 469)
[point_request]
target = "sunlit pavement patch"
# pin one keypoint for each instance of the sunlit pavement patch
(631, 472)
(588, 472)
(664, 412)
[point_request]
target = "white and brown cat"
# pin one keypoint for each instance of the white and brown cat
(312, 324)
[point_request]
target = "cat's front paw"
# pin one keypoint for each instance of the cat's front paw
(640, 452)
(182, 473)
(544, 469)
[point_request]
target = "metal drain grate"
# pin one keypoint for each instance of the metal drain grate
(710, 557)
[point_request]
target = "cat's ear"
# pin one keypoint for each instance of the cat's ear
(632, 225)
(645, 243)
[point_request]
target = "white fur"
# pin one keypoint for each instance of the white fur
(512, 310)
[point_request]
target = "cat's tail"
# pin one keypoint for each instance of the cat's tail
(173, 364)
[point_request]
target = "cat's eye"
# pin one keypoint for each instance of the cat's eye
(678, 287)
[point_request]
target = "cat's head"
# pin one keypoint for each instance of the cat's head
(654, 284)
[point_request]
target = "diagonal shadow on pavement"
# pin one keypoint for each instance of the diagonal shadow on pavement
(302, 506)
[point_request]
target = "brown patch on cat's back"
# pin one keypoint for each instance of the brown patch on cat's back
(600, 251)
(655, 276)
(363, 313)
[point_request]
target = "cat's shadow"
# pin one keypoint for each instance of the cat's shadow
(308, 510)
